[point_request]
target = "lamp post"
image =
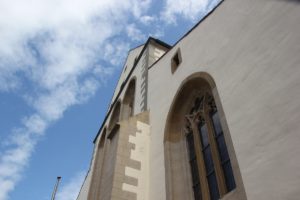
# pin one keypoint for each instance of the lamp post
(55, 188)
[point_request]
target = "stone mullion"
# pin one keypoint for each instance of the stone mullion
(215, 153)
(200, 162)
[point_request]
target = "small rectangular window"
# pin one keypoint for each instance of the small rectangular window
(176, 60)
(135, 60)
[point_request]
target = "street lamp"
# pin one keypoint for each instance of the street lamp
(55, 188)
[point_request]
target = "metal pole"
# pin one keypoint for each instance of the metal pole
(55, 188)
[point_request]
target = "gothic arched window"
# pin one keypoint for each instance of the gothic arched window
(207, 150)
(94, 190)
(128, 102)
(115, 117)
(200, 161)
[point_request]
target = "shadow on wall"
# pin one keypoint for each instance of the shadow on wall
(291, 1)
(143, 85)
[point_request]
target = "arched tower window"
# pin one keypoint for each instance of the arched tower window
(115, 116)
(198, 163)
(94, 190)
(109, 159)
(128, 102)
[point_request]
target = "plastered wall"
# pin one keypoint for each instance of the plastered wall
(251, 49)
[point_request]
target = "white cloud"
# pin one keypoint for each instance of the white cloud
(158, 32)
(6, 186)
(115, 51)
(140, 7)
(70, 190)
(52, 40)
(147, 20)
(188, 9)
(35, 124)
(14, 159)
(134, 33)
(102, 73)
(55, 48)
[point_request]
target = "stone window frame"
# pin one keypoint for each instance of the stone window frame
(173, 186)
(114, 120)
(129, 98)
(191, 127)
(97, 167)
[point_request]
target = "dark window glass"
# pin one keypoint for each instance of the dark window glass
(203, 135)
(213, 186)
(194, 166)
(176, 59)
(223, 153)
(222, 148)
(217, 124)
(228, 173)
(194, 169)
(209, 165)
(197, 192)
(190, 141)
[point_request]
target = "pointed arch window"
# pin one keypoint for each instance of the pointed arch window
(97, 172)
(114, 119)
(128, 101)
(211, 170)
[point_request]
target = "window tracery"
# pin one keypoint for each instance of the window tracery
(210, 165)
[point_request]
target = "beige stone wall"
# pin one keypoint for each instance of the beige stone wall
(132, 159)
(83, 194)
(152, 52)
(251, 49)
(109, 163)
(140, 75)
(124, 163)
(96, 173)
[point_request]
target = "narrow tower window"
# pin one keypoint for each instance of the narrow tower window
(176, 60)
(128, 101)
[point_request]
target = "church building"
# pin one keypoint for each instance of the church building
(215, 116)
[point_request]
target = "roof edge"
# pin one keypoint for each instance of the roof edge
(189, 31)
(127, 79)
(139, 57)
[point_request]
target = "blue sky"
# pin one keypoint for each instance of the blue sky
(59, 63)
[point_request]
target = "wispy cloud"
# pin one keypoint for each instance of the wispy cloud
(53, 47)
(70, 190)
(134, 33)
(147, 19)
(15, 158)
(191, 10)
